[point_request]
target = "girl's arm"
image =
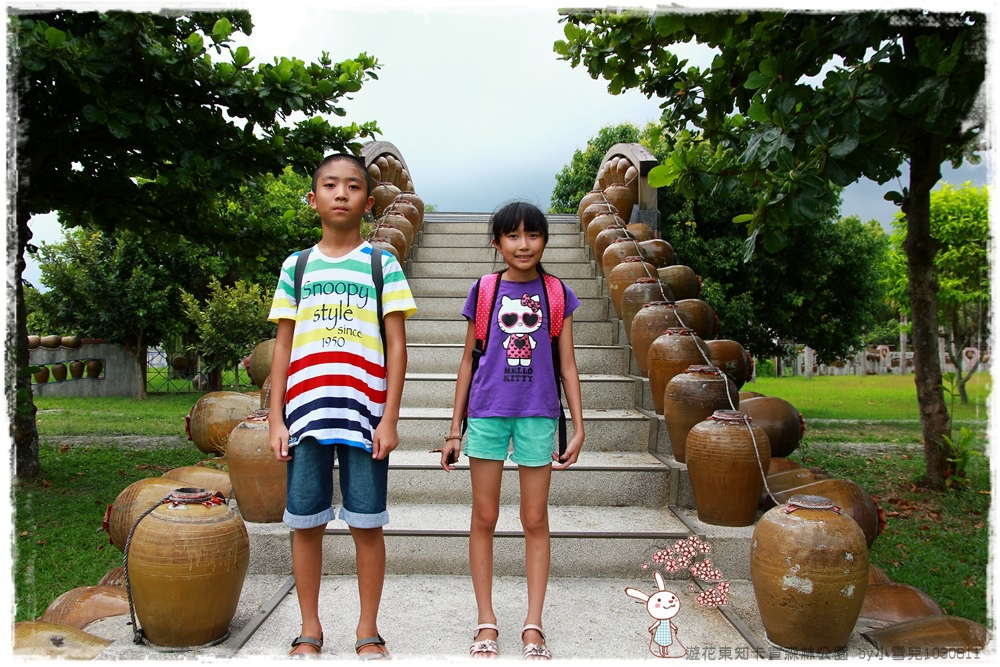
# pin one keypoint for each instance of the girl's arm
(280, 357)
(386, 437)
(571, 387)
(454, 442)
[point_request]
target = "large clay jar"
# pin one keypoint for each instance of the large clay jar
(386, 246)
(94, 368)
(594, 210)
(809, 570)
(605, 239)
(657, 252)
(781, 464)
(623, 275)
(408, 211)
(637, 295)
(214, 416)
(897, 603)
(599, 224)
(670, 354)
(58, 372)
(398, 221)
(76, 369)
(649, 323)
(79, 606)
(592, 197)
(396, 238)
(784, 424)
(258, 478)
(853, 501)
(417, 202)
(617, 251)
(41, 375)
(384, 193)
(70, 342)
(682, 279)
(733, 359)
(41, 639)
(691, 397)
(932, 636)
(784, 484)
(185, 565)
(34, 341)
(726, 457)
(698, 315)
(132, 501)
(260, 361)
(640, 230)
(620, 196)
(51, 342)
(202, 477)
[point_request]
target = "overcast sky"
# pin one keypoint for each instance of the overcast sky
(475, 99)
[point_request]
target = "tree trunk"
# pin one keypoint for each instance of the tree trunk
(920, 247)
(139, 355)
(20, 404)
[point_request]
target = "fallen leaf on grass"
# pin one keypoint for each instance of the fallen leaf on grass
(23, 533)
(46, 483)
(142, 466)
(63, 448)
(42, 542)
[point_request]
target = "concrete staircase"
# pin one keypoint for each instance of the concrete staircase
(623, 500)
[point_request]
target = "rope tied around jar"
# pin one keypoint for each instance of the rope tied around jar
(177, 497)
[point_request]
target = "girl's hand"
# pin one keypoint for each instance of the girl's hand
(450, 452)
(385, 439)
(571, 454)
(278, 440)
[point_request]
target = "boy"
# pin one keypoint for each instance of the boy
(336, 391)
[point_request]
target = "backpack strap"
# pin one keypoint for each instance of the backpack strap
(486, 296)
(300, 272)
(555, 296)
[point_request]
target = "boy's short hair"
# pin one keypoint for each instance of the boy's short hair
(346, 157)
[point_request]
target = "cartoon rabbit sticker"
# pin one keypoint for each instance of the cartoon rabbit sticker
(662, 606)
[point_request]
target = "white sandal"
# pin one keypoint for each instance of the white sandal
(486, 648)
(534, 651)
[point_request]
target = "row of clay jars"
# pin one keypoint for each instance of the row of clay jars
(727, 456)
(657, 252)
(653, 318)
(605, 221)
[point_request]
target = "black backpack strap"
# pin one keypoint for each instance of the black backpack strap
(557, 368)
(379, 281)
(300, 271)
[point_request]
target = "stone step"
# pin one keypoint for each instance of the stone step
(592, 309)
(437, 390)
(433, 238)
(428, 332)
(444, 357)
(597, 479)
(460, 287)
(477, 253)
(462, 267)
(423, 429)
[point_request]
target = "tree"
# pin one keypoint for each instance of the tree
(797, 105)
(577, 178)
(229, 324)
(125, 121)
(959, 220)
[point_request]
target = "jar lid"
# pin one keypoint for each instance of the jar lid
(645, 281)
(809, 502)
(678, 331)
(730, 416)
(703, 369)
(658, 303)
(633, 258)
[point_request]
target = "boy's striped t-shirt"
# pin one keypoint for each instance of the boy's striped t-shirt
(336, 376)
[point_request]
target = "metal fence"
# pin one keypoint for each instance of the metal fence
(168, 372)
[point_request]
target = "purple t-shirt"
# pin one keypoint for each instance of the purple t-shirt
(515, 376)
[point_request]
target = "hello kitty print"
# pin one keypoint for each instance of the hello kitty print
(519, 319)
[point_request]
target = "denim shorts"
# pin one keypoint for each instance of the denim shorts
(363, 483)
(534, 439)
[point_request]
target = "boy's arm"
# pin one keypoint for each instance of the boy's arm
(386, 437)
(453, 445)
(280, 357)
(571, 387)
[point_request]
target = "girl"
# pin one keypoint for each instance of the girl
(513, 396)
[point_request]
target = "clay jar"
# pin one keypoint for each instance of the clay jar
(59, 372)
(682, 280)
(617, 251)
(51, 342)
(623, 275)
(384, 194)
(94, 368)
(726, 455)
(896, 603)
(671, 353)
(186, 565)
(131, 502)
(784, 424)
(809, 570)
(259, 479)
(648, 324)
(41, 375)
(399, 221)
(932, 635)
(76, 369)
(599, 224)
(691, 397)
(640, 230)
(621, 197)
(396, 238)
(79, 606)
(782, 485)
(202, 477)
(698, 315)
(386, 246)
(733, 359)
(34, 341)
(593, 197)
(214, 416)
(595, 210)
(260, 361)
(852, 500)
(657, 252)
(408, 211)
(418, 203)
(637, 295)
(605, 239)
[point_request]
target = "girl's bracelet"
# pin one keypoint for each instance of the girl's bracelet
(452, 437)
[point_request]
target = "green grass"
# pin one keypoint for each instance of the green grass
(158, 415)
(58, 540)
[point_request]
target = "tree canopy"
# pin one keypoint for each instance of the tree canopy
(795, 105)
(142, 121)
(577, 178)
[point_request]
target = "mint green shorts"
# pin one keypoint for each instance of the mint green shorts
(534, 439)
